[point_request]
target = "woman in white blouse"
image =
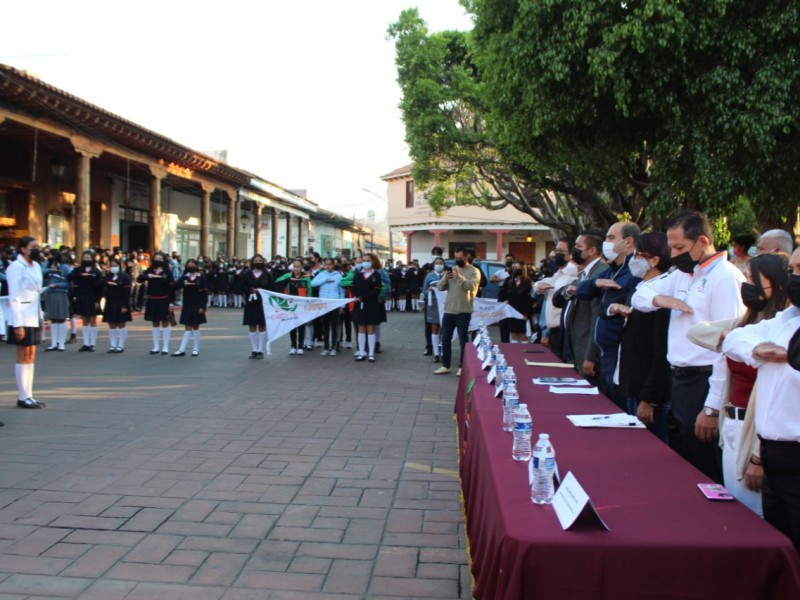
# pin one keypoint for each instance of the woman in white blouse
(24, 316)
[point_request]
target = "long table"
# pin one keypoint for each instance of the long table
(665, 540)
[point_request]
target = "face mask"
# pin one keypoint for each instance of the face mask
(461, 263)
(793, 290)
(86, 263)
(114, 270)
(751, 296)
(560, 260)
(793, 351)
(35, 255)
(638, 267)
(438, 268)
(517, 273)
(257, 266)
(158, 263)
(191, 269)
(576, 257)
(508, 264)
(684, 262)
(609, 252)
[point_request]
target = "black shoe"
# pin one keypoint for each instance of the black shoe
(111, 351)
(427, 353)
(253, 355)
(154, 352)
(437, 359)
(377, 348)
(91, 348)
(83, 348)
(179, 353)
(360, 358)
(164, 353)
(72, 338)
(28, 403)
(119, 350)
(259, 355)
(39, 402)
(371, 359)
(51, 349)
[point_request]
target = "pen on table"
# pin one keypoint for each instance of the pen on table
(598, 418)
(534, 351)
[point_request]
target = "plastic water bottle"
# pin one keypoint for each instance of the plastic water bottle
(509, 379)
(544, 467)
(501, 368)
(495, 353)
(523, 427)
(510, 406)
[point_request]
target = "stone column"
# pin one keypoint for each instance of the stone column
(230, 232)
(437, 236)
(87, 150)
(408, 235)
(274, 233)
(288, 234)
(155, 207)
(499, 241)
(301, 247)
(205, 218)
(257, 208)
(237, 227)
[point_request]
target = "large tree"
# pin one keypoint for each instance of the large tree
(668, 103)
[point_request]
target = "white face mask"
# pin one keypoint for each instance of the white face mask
(609, 252)
(438, 268)
(114, 270)
(638, 267)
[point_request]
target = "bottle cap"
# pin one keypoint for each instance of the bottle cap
(544, 436)
(523, 406)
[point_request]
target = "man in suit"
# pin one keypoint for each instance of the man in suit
(582, 314)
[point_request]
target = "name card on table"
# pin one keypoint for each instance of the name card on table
(492, 374)
(481, 354)
(486, 362)
(571, 502)
(476, 342)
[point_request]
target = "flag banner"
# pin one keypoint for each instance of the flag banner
(283, 313)
(485, 311)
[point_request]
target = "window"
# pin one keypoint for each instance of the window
(133, 215)
(410, 194)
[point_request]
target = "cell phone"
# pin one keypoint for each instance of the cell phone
(714, 491)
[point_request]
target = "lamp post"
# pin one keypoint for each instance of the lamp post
(388, 228)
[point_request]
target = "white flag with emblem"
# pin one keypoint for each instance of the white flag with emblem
(485, 311)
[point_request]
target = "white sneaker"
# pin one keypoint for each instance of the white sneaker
(348, 345)
(325, 353)
(318, 344)
(293, 351)
(300, 351)
(332, 352)
(458, 372)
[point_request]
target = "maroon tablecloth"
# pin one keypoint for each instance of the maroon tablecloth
(666, 539)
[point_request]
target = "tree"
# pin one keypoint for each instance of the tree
(455, 156)
(658, 103)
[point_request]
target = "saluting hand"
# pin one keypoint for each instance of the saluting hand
(672, 304)
(769, 352)
(607, 284)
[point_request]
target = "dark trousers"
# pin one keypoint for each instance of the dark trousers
(451, 323)
(505, 334)
(329, 322)
(780, 494)
(554, 335)
(297, 336)
(428, 340)
(608, 364)
(688, 396)
(347, 324)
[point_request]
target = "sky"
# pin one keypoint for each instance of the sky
(301, 93)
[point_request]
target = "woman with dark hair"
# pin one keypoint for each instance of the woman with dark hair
(257, 278)
(87, 289)
(367, 287)
(644, 373)
(117, 309)
(516, 290)
(56, 300)
(24, 278)
(160, 295)
(740, 246)
(431, 305)
(764, 294)
(193, 310)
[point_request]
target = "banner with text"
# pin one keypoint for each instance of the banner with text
(283, 313)
(485, 311)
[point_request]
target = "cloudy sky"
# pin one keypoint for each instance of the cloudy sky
(302, 93)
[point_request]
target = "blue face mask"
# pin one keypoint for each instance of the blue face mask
(438, 268)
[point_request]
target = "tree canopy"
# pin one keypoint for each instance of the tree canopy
(581, 110)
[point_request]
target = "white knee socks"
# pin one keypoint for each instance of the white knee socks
(93, 335)
(122, 334)
(185, 341)
(156, 336)
(196, 340)
(435, 344)
(112, 338)
(362, 343)
(262, 340)
(87, 336)
(371, 340)
(254, 340)
(165, 335)
(402, 305)
(24, 376)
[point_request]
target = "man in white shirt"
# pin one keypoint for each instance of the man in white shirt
(567, 273)
(777, 418)
(703, 287)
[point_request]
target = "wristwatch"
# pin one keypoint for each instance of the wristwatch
(710, 412)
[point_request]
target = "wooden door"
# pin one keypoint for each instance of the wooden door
(523, 251)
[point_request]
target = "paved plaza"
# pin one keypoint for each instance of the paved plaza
(219, 477)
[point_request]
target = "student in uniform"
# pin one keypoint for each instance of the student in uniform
(159, 296)
(56, 300)
(413, 283)
(87, 289)
(193, 309)
(327, 281)
(222, 285)
(297, 282)
(431, 304)
(346, 320)
(24, 279)
(367, 288)
(255, 279)
(117, 309)
(237, 285)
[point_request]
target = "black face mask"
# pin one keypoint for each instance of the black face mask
(35, 255)
(517, 273)
(576, 257)
(157, 263)
(793, 351)
(560, 260)
(508, 264)
(684, 262)
(751, 296)
(461, 263)
(87, 263)
(257, 266)
(191, 269)
(793, 290)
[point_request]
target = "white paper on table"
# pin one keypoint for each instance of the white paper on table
(573, 389)
(560, 381)
(486, 362)
(498, 390)
(571, 500)
(477, 339)
(492, 374)
(481, 353)
(617, 420)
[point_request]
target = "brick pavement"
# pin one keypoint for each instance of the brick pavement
(225, 478)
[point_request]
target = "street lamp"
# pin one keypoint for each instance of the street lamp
(388, 228)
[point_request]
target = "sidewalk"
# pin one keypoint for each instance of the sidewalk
(219, 477)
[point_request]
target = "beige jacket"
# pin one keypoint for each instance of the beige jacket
(710, 335)
(461, 290)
